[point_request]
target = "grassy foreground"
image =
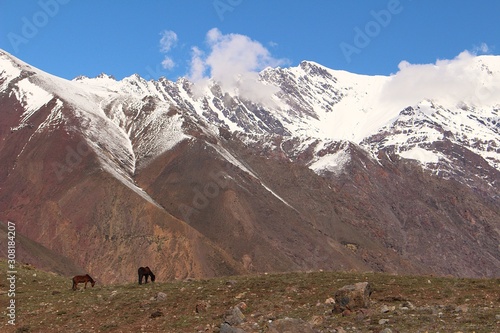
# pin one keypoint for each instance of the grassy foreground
(46, 303)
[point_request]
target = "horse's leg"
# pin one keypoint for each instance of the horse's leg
(140, 278)
(74, 285)
(146, 277)
(85, 285)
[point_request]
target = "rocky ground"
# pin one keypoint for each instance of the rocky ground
(274, 303)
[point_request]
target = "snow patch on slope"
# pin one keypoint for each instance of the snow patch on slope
(8, 71)
(233, 160)
(421, 155)
(32, 97)
(334, 163)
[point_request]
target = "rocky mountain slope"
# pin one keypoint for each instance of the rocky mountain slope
(304, 168)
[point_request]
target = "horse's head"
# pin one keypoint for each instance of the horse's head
(152, 277)
(91, 280)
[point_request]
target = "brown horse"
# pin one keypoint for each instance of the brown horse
(145, 272)
(82, 279)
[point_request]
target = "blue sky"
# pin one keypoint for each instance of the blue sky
(86, 37)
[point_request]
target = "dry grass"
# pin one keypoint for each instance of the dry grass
(46, 303)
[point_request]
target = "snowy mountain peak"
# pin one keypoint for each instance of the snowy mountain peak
(106, 76)
(455, 101)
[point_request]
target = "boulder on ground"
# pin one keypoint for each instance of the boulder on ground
(352, 297)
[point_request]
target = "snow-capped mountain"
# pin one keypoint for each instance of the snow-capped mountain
(313, 102)
(323, 168)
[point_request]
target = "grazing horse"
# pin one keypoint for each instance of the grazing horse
(82, 279)
(145, 271)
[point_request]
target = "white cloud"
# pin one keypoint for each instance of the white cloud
(234, 60)
(168, 63)
(466, 78)
(198, 67)
(168, 40)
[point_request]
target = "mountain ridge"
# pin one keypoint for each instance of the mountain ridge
(197, 170)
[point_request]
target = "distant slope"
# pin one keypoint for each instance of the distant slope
(29, 251)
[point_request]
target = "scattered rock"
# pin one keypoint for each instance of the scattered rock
(242, 305)
(386, 330)
(353, 297)
(234, 316)
(290, 325)
(317, 320)
(385, 308)
(161, 296)
(383, 321)
(408, 304)
(202, 306)
(462, 308)
(156, 314)
(226, 328)
(330, 301)
(56, 292)
(240, 295)
(206, 329)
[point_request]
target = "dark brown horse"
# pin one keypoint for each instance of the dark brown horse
(82, 279)
(145, 272)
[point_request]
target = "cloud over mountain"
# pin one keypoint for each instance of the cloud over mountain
(458, 79)
(233, 60)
